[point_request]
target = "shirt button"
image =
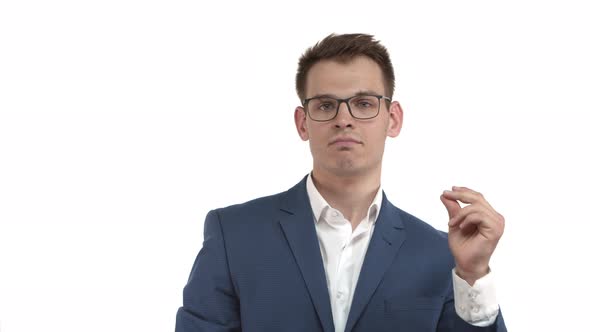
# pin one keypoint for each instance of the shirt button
(334, 214)
(462, 308)
(339, 295)
(476, 309)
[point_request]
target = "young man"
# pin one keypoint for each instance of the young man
(332, 253)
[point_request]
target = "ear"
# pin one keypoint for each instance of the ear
(301, 123)
(396, 119)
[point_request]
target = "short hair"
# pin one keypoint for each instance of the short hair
(343, 48)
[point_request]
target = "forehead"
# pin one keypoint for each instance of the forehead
(344, 78)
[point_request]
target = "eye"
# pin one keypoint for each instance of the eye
(326, 106)
(364, 103)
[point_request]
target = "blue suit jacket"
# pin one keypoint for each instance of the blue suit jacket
(260, 269)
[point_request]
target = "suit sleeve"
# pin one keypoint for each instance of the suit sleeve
(451, 322)
(210, 302)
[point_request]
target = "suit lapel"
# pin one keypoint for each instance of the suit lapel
(297, 222)
(387, 238)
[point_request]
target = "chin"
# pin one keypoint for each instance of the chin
(352, 167)
(347, 168)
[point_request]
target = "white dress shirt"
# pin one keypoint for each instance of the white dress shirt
(343, 251)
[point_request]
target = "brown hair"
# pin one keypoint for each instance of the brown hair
(344, 48)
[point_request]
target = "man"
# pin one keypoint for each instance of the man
(332, 253)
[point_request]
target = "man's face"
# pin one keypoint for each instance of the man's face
(345, 146)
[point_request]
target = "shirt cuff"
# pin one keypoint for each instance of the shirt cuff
(477, 304)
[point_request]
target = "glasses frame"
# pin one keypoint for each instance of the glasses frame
(346, 101)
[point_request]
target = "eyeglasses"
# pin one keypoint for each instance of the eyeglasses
(360, 107)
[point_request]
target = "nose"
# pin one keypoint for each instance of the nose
(343, 119)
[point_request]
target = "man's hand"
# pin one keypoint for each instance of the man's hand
(474, 232)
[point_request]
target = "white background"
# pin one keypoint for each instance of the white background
(123, 122)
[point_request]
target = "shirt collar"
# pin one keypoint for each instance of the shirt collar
(319, 204)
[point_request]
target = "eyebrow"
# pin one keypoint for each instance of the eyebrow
(358, 93)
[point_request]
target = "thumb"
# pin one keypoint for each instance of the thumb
(452, 206)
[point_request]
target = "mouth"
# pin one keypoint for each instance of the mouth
(345, 141)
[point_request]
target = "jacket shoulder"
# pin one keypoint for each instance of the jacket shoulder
(261, 209)
(257, 209)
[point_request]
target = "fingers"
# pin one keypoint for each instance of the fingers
(479, 213)
(467, 196)
(468, 210)
(473, 219)
(451, 205)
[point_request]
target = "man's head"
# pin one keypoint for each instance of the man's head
(347, 141)
(342, 48)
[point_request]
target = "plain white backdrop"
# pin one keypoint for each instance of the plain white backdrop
(123, 122)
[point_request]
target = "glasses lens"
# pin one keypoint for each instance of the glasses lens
(322, 109)
(325, 108)
(364, 107)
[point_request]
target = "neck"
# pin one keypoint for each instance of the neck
(352, 195)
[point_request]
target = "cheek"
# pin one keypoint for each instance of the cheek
(377, 136)
(318, 142)
(316, 134)
(315, 141)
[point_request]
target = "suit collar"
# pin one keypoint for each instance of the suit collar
(295, 199)
(319, 205)
(297, 222)
(388, 237)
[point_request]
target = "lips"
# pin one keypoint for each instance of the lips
(345, 140)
